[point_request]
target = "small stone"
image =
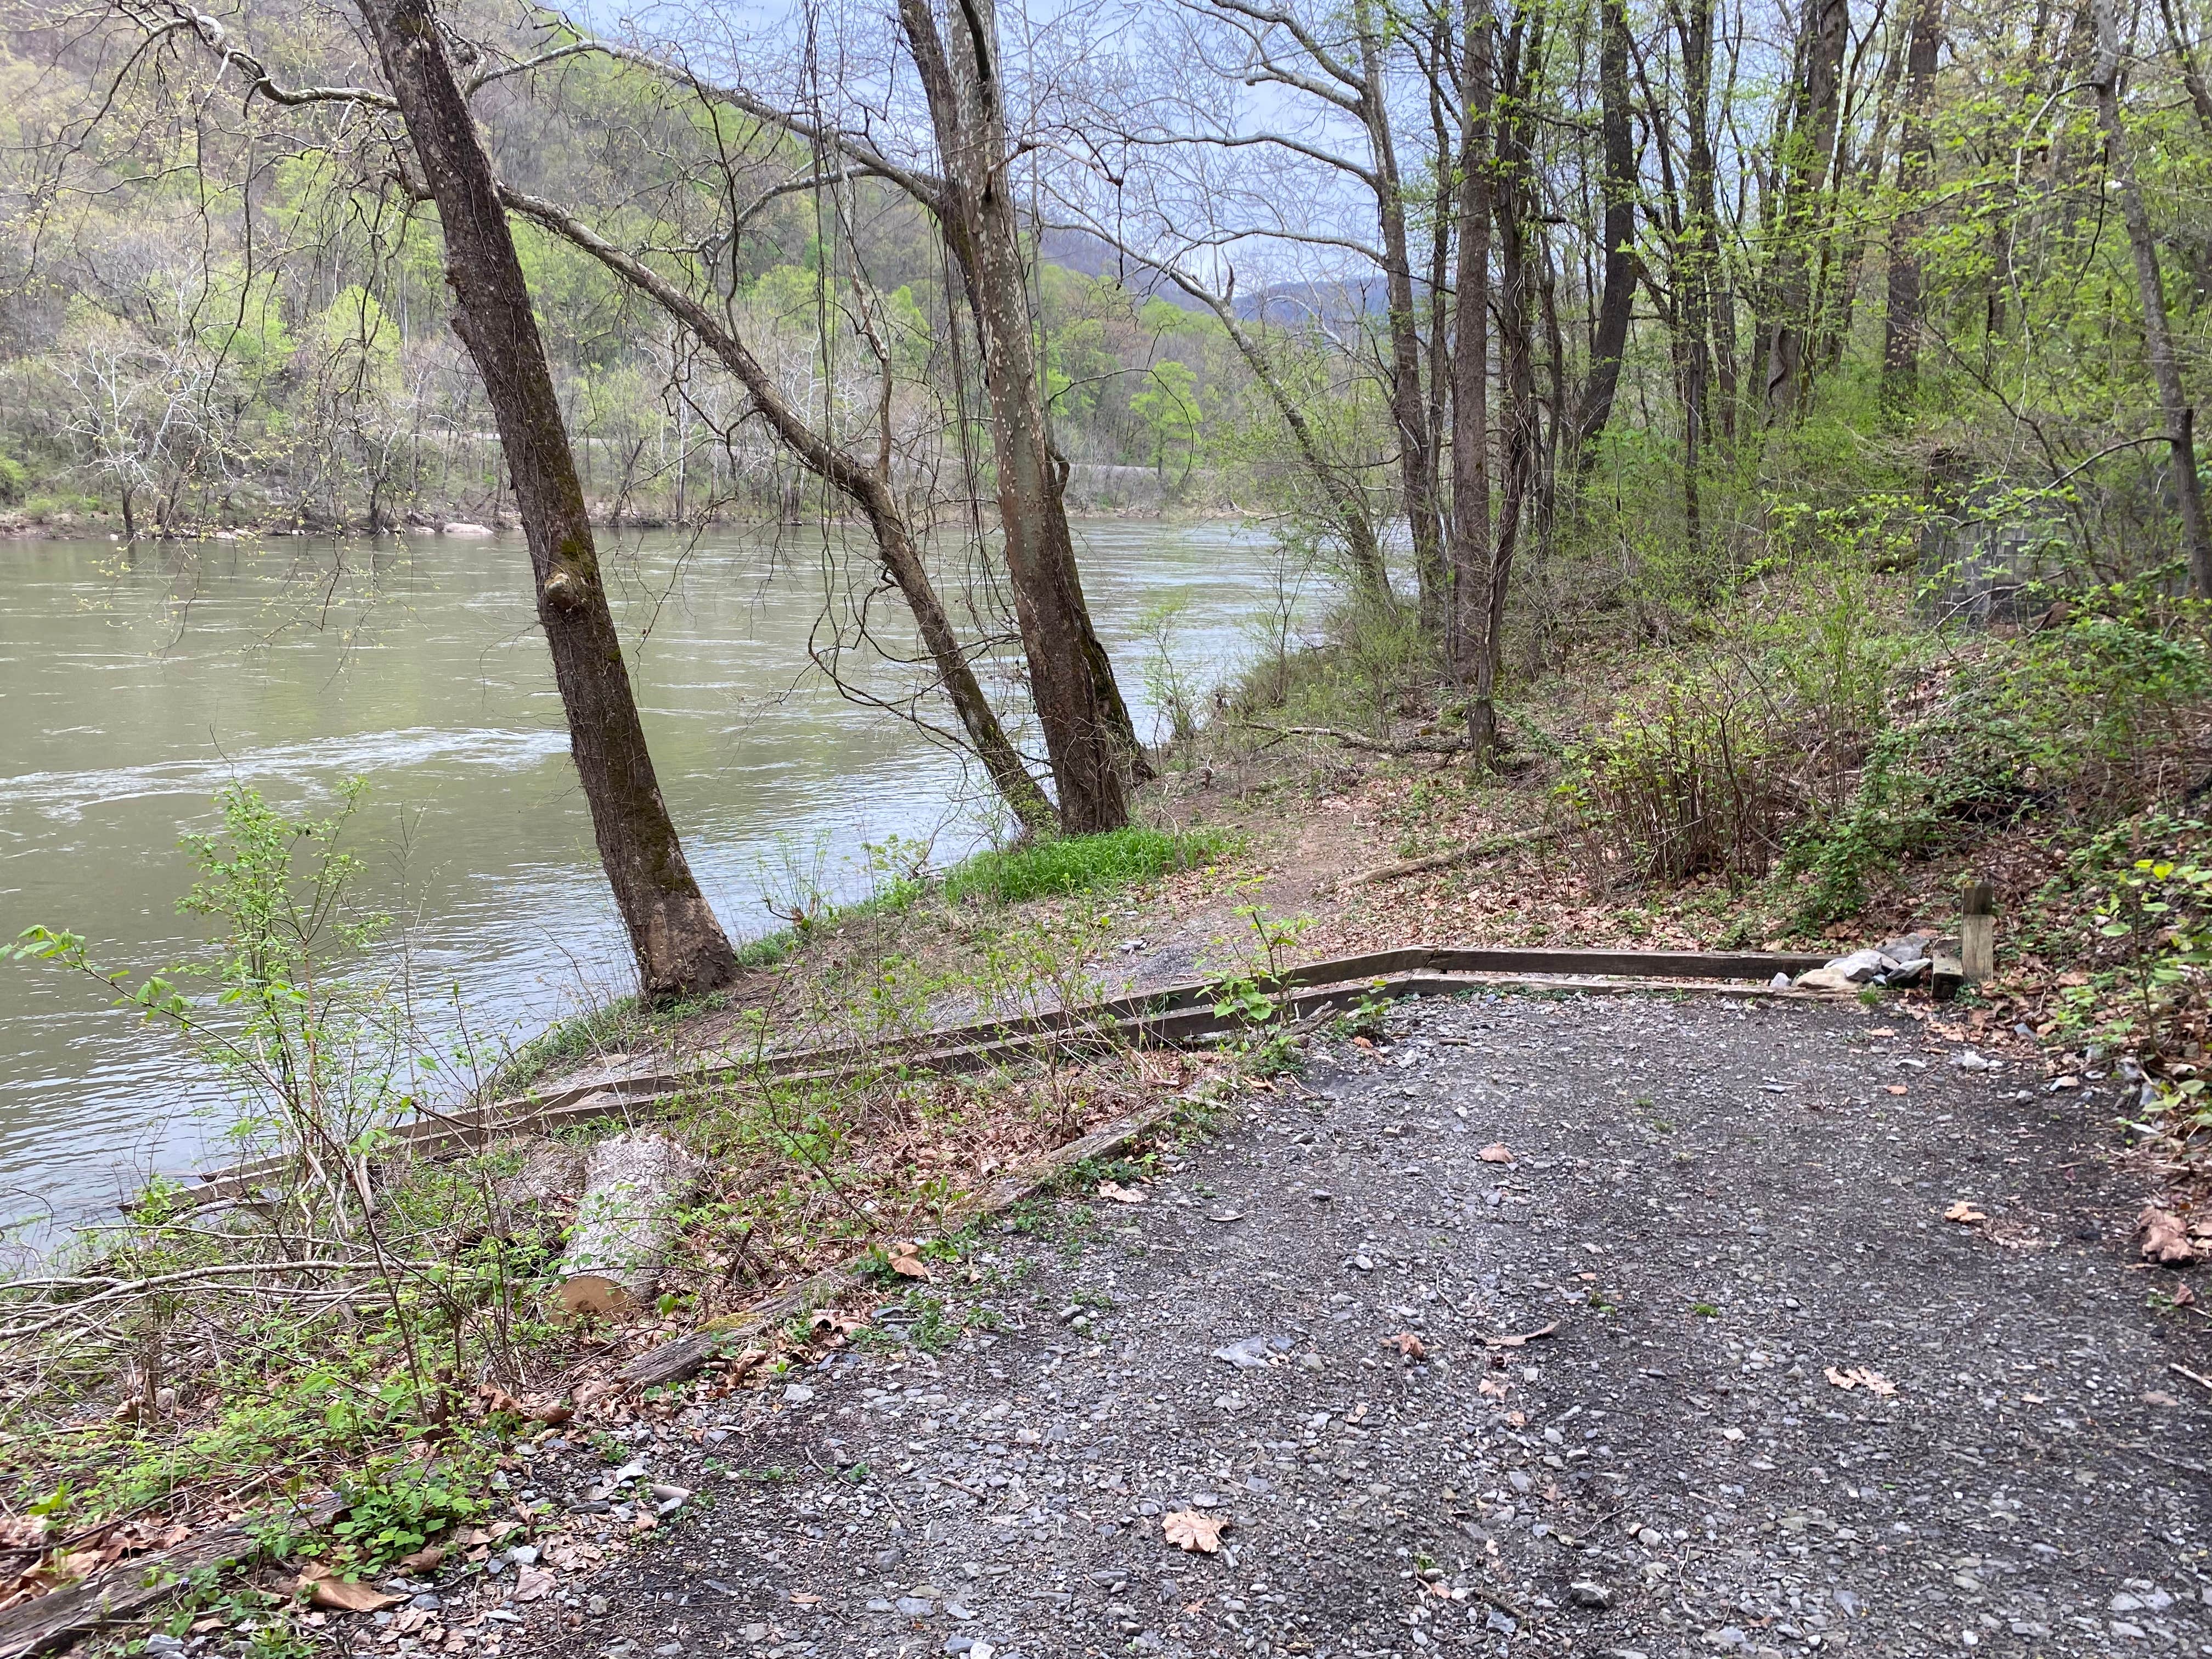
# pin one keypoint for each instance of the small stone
(914, 1606)
(1589, 1592)
(596, 1605)
(1246, 1352)
(1321, 1197)
(1365, 1264)
(797, 1393)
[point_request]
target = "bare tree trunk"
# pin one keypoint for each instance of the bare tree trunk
(679, 946)
(2200, 95)
(1087, 730)
(1517, 366)
(1408, 409)
(1708, 307)
(1808, 147)
(1900, 348)
(2158, 333)
(1471, 545)
(1610, 337)
(867, 488)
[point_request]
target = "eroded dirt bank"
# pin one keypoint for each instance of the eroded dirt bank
(1719, 1210)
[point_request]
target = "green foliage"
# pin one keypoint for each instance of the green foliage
(395, 1506)
(1081, 864)
(1168, 407)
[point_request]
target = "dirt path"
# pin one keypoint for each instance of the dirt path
(1717, 1206)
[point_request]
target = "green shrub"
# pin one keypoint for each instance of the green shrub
(1684, 782)
(1076, 864)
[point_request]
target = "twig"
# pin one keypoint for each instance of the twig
(1530, 1336)
(1502, 1603)
(2194, 1377)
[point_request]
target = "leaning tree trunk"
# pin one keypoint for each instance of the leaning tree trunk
(679, 946)
(1089, 735)
(867, 487)
(2158, 332)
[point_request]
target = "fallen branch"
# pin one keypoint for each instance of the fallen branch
(1400, 746)
(2194, 1377)
(130, 1588)
(1474, 852)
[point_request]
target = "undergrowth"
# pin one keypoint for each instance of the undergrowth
(1082, 864)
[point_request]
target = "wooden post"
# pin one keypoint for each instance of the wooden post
(1978, 932)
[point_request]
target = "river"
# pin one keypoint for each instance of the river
(137, 680)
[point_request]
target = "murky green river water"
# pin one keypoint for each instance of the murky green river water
(134, 683)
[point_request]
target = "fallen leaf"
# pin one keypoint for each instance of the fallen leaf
(1964, 1214)
(1495, 1154)
(1363, 1042)
(1521, 1341)
(1192, 1530)
(534, 1583)
(2164, 1237)
(1406, 1344)
(1494, 1387)
(906, 1261)
(1517, 1420)
(425, 1558)
(2036, 1399)
(1881, 1031)
(1860, 1378)
(1897, 1089)
(805, 1599)
(22, 1531)
(324, 1588)
(1119, 1193)
(1436, 1587)
(492, 1400)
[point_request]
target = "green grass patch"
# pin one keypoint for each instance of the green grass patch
(1083, 864)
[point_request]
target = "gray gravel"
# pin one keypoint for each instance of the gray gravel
(1716, 1203)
